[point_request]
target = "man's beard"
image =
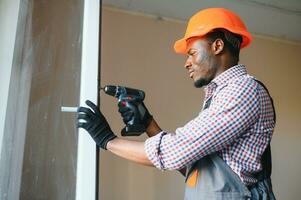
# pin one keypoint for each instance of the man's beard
(201, 82)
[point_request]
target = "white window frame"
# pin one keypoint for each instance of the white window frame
(86, 156)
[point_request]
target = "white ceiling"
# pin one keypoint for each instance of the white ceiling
(277, 18)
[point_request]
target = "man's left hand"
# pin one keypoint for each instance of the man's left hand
(93, 121)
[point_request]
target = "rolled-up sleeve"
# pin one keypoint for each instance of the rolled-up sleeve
(233, 110)
(153, 150)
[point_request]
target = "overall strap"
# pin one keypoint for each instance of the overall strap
(266, 159)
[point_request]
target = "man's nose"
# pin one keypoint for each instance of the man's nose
(188, 63)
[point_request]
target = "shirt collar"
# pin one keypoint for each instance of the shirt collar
(226, 76)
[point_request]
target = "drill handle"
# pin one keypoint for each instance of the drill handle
(132, 130)
(134, 127)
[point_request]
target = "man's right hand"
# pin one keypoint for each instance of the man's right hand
(127, 114)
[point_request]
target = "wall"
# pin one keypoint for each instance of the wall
(39, 149)
(137, 51)
(50, 152)
(8, 27)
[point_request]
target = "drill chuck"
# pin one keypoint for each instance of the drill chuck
(110, 90)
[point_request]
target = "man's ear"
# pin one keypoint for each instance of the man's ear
(218, 46)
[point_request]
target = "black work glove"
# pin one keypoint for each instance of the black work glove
(93, 121)
(127, 114)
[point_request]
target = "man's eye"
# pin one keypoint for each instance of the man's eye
(192, 53)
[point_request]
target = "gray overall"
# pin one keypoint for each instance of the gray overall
(217, 181)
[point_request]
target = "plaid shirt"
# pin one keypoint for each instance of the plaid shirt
(238, 125)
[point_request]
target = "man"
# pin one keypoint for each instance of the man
(224, 151)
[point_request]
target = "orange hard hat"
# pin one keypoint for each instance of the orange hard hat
(207, 20)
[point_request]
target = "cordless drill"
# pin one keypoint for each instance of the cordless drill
(132, 99)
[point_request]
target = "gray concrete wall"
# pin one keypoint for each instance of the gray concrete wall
(9, 11)
(39, 147)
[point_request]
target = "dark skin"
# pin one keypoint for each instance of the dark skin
(205, 61)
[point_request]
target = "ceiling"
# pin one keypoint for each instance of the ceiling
(276, 18)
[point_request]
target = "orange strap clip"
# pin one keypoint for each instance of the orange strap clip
(192, 180)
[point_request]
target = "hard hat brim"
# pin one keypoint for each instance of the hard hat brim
(180, 45)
